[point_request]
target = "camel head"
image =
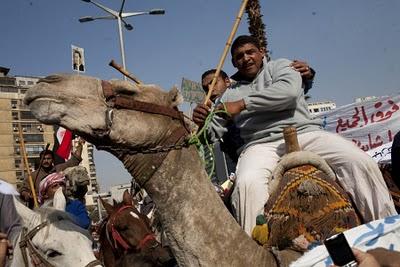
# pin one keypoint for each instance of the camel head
(78, 103)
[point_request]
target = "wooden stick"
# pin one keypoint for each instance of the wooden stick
(124, 72)
(227, 46)
(26, 163)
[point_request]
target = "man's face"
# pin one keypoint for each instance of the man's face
(77, 59)
(248, 60)
(47, 161)
(219, 88)
(52, 190)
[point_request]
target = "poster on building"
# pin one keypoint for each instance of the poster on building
(371, 125)
(78, 58)
(192, 91)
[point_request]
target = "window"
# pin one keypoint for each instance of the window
(315, 110)
(31, 83)
(33, 138)
(14, 115)
(27, 115)
(8, 90)
(22, 83)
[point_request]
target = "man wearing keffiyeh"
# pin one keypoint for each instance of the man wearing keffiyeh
(48, 187)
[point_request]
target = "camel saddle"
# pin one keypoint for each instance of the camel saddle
(306, 205)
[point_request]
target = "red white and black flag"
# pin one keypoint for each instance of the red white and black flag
(62, 144)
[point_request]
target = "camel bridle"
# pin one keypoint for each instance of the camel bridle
(37, 258)
(120, 101)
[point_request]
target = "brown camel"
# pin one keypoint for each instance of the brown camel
(200, 230)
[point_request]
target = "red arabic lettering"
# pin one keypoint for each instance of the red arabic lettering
(374, 141)
(343, 126)
(380, 115)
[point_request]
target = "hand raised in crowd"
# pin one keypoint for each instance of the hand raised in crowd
(26, 196)
(200, 113)
(303, 68)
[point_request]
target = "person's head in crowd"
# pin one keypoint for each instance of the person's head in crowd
(49, 185)
(247, 56)
(48, 159)
(222, 83)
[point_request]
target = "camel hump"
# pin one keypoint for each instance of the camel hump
(291, 141)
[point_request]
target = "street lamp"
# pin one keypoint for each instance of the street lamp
(119, 16)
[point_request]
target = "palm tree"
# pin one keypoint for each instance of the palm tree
(256, 25)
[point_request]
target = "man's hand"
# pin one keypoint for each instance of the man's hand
(386, 257)
(200, 113)
(364, 259)
(26, 196)
(233, 108)
(303, 68)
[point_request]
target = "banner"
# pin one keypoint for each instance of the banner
(371, 125)
(78, 58)
(192, 92)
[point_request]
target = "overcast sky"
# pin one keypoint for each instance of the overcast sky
(353, 45)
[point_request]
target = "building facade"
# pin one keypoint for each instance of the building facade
(17, 121)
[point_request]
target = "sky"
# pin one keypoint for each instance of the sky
(352, 44)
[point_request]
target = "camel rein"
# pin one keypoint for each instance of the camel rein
(117, 239)
(37, 258)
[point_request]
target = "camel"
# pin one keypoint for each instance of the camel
(200, 230)
(43, 244)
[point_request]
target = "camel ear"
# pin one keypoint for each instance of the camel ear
(108, 207)
(175, 97)
(26, 214)
(126, 198)
(59, 201)
(115, 203)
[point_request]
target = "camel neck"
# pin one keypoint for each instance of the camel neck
(198, 226)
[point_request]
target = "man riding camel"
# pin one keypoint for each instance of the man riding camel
(268, 97)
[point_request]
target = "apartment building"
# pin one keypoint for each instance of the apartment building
(16, 120)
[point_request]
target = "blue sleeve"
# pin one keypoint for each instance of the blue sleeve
(78, 210)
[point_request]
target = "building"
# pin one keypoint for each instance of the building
(317, 108)
(16, 119)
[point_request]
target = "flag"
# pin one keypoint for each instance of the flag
(62, 144)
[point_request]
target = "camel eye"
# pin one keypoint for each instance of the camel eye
(52, 253)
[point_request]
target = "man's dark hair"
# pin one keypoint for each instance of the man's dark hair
(47, 152)
(242, 40)
(222, 74)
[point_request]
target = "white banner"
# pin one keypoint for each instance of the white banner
(371, 125)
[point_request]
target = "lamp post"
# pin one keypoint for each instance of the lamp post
(120, 17)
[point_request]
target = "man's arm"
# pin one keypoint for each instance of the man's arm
(78, 210)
